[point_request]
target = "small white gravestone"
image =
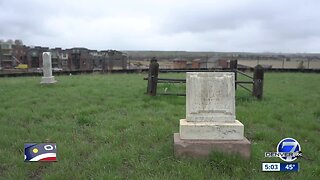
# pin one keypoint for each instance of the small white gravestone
(210, 107)
(210, 122)
(47, 69)
(210, 97)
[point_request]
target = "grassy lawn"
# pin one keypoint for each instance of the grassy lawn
(105, 127)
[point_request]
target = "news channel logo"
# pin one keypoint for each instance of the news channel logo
(288, 150)
(45, 152)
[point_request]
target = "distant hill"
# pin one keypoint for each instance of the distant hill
(189, 55)
(168, 54)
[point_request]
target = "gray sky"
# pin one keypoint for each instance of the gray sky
(213, 25)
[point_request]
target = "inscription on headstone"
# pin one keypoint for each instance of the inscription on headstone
(210, 97)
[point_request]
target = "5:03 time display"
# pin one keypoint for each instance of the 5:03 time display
(270, 166)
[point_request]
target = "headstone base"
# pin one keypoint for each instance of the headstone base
(202, 148)
(211, 130)
(48, 80)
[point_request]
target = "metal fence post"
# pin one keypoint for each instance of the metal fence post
(258, 76)
(234, 67)
(153, 77)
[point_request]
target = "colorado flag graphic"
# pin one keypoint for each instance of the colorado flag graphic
(40, 152)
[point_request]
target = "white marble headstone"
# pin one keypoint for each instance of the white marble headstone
(210, 97)
(47, 69)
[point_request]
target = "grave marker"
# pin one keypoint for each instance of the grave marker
(47, 69)
(210, 123)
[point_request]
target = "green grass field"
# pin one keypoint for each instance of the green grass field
(105, 127)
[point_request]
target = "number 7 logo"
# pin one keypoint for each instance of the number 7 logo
(293, 146)
(288, 145)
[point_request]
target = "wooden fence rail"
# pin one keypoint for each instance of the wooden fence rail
(256, 80)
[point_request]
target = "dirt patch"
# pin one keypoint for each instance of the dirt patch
(37, 173)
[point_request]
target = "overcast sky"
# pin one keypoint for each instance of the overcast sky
(213, 25)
